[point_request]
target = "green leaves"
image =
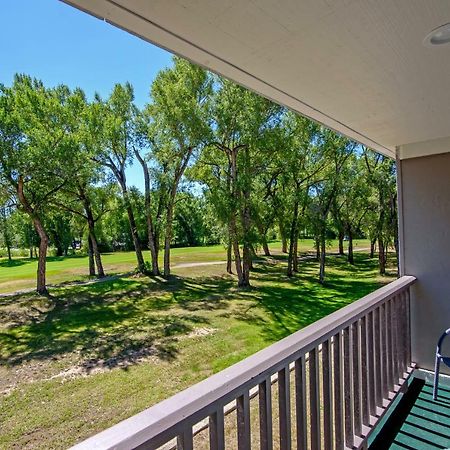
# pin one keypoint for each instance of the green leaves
(39, 129)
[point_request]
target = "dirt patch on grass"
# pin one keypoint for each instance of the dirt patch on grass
(69, 366)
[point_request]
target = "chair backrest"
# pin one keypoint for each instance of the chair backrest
(441, 340)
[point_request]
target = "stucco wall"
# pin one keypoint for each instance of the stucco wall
(425, 185)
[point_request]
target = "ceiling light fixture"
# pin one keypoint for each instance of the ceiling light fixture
(439, 36)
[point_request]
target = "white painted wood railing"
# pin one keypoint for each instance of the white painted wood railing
(334, 378)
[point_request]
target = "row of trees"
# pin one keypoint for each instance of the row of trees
(208, 148)
(194, 225)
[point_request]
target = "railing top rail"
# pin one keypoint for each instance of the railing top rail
(167, 414)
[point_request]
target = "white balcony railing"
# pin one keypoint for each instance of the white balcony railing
(334, 377)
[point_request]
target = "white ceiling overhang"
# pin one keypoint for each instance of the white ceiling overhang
(357, 66)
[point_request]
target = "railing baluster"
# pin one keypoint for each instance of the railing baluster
(378, 362)
(356, 348)
(384, 379)
(265, 415)
(348, 406)
(314, 399)
(216, 430)
(284, 405)
(364, 378)
(300, 403)
(337, 392)
(395, 334)
(403, 334)
(371, 364)
(185, 440)
(243, 421)
(327, 395)
(390, 354)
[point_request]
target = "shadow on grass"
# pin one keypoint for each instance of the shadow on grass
(114, 323)
(14, 262)
(120, 321)
(293, 303)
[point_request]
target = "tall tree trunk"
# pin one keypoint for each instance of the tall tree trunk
(292, 240)
(381, 256)
(322, 258)
(263, 234)
(350, 257)
(284, 239)
(6, 237)
(242, 265)
(372, 247)
(134, 233)
(41, 286)
(265, 246)
(179, 171)
(168, 237)
(341, 236)
(317, 245)
(284, 244)
(152, 237)
(253, 255)
(264, 243)
(295, 256)
(381, 244)
(229, 258)
(91, 258)
(247, 245)
(97, 256)
(43, 246)
(152, 246)
(93, 242)
(237, 252)
(157, 244)
(246, 222)
(246, 265)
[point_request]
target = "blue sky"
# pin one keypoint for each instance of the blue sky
(56, 43)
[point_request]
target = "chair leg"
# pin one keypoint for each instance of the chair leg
(436, 377)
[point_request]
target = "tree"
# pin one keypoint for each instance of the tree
(116, 153)
(381, 176)
(82, 195)
(57, 223)
(178, 129)
(241, 130)
(351, 201)
(302, 161)
(189, 220)
(37, 127)
(336, 149)
(146, 138)
(5, 227)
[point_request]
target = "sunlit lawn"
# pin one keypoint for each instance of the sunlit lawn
(21, 272)
(93, 355)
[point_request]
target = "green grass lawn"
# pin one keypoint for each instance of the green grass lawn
(20, 274)
(92, 355)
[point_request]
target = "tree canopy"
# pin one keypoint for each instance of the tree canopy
(220, 164)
